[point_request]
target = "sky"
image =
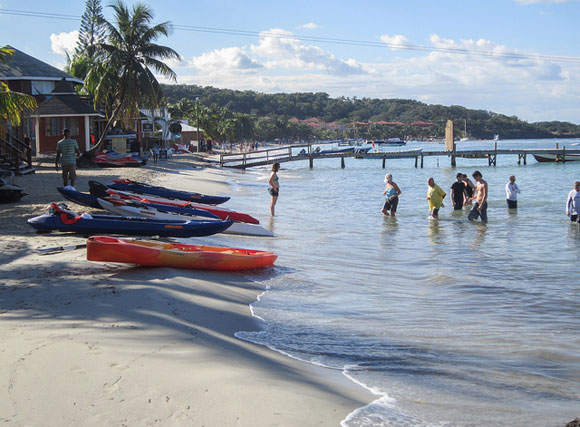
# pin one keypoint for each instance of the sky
(514, 57)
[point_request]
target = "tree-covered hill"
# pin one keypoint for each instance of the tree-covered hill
(480, 124)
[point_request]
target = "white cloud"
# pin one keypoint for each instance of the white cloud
(231, 59)
(395, 42)
(64, 42)
(485, 75)
(280, 49)
(309, 26)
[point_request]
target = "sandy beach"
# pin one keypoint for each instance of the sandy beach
(108, 344)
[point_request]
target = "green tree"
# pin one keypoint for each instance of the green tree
(123, 80)
(182, 109)
(91, 35)
(13, 104)
(92, 31)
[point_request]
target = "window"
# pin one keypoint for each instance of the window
(72, 124)
(55, 126)
(42, 87)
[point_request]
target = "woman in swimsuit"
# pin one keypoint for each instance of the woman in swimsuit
(274, 186)
(392, 192)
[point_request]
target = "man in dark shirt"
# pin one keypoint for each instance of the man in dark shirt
(457, 190)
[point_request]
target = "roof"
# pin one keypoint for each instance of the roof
(20, 66)
(187, 128)
(64, 102)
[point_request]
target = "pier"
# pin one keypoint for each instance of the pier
(305, 152)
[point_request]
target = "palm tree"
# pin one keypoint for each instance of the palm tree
(182, 109)
(13, 104)
(123, 80)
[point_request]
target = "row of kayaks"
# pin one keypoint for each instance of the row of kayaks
(137, 209)
(141, 214)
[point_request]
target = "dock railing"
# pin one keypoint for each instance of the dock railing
(290, 153)
(265, 157)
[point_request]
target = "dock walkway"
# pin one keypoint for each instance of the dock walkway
(305, 152)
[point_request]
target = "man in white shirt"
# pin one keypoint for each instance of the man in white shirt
(511, 191)
(573, 203)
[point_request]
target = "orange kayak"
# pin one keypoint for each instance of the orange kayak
(177, 255)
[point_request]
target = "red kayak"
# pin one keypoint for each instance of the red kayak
(177, 255)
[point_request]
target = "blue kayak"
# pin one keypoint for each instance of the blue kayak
(62, 219)
(91, 201)
(140, 188)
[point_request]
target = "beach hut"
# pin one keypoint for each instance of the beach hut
(64, 109)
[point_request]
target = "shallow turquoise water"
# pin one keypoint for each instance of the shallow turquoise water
(449, 322)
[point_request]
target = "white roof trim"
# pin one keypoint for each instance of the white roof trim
(67, 115)
(51, 79)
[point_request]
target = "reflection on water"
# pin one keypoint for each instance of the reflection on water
(391, 224)
(436, 236)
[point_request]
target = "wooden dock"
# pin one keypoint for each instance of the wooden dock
(293, 153)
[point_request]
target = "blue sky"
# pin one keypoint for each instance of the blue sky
(408, 49)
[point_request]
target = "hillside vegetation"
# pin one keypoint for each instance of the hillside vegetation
(252, 109)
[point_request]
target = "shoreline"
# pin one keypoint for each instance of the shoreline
(104, 344)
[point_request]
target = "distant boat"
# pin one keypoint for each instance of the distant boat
(347, 150)
(389, 154)
(389, 141)
(465, 137)
(496, 137)
(543, 158)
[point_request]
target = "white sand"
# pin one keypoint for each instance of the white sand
(96, 344)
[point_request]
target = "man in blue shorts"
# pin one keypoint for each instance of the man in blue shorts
(480, 206)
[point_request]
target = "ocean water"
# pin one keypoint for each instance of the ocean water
(448, 322)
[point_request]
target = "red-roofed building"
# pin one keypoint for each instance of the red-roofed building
(422, 124)
(382, 122)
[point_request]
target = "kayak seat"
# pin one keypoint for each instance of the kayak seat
(67, 216)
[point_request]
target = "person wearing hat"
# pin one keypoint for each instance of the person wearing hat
(392, 193)
(67, 149)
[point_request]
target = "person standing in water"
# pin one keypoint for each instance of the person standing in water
(469, 188)
(458, 192)
(479, 208)
(435, 196)
(274, 184)
(392, 193)
(511, 191)
(573, 203)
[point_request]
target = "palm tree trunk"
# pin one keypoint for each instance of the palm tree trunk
(97, 147)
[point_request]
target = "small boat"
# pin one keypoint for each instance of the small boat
(388, 141)
(112, 158)
(347, 150)
(142, 210)
(176, 255)
(544, 158)
(63, 219)
(10, 192)
(391, 154)
(141, 188)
